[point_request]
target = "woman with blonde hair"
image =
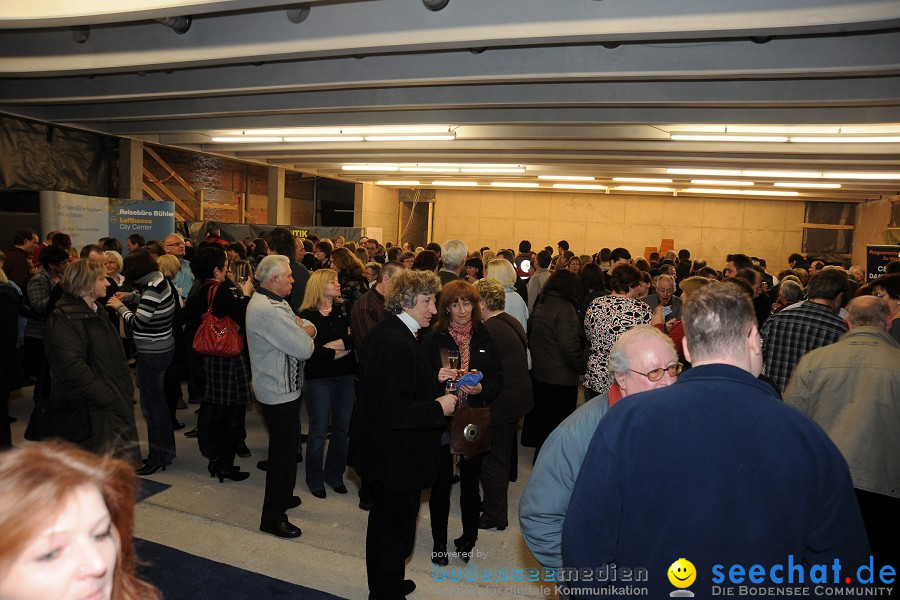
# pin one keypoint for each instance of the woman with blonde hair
(66, 525)
(329, 386)
(88, 369)
(351, 275)
(503, 271)
(114, 264)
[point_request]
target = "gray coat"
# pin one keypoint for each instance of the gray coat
(653, 301)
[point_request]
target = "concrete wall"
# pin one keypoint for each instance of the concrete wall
(709, 227)
(376, 206)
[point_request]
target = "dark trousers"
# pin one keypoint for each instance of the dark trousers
(175, 374)
(389, 539)
(283, 423)
(552, 404)
(151, 369)
(880, 517)
(469, 497)
(495, 473)
(219, 431)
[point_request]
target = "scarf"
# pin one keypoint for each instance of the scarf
(462, 335)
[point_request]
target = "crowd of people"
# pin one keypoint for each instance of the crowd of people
(385, 343)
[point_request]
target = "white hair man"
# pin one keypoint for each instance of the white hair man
(453, 256)
(852, 389)
(642, 359)
(714, 468)
(278, 346)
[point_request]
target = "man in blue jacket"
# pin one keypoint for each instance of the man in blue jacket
(714, 470)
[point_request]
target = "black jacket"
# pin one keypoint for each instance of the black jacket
(87, 364)
(554, 336)
(483, 357)
(396, 429)
(515, 397)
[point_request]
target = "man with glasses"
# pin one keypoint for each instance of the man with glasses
(714, 469)
(184, 280)
(665, 297)
(642, 359)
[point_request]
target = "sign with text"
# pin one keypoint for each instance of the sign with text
(82, 217)
(150, 218)
(877, 258)
(88, 218)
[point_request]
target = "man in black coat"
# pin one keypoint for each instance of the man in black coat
(396, 428)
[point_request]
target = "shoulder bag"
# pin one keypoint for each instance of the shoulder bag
(217, 336)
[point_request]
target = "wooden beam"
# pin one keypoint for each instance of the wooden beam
(171, 171)
(171, 196)
(150, 192)
(825, 226)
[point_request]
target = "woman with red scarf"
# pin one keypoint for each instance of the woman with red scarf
(459, 329)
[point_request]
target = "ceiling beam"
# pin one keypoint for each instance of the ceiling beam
(391, 26)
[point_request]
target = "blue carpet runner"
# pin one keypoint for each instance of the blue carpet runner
(182, 576)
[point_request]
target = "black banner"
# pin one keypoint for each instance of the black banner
(236, 232)
(877, 258)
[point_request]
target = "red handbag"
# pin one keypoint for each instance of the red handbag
(217, 336)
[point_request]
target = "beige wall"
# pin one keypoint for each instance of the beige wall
(872, 220)
(376, 206)
(709, 227)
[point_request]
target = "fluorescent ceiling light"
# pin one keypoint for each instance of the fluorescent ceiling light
(642, 180)
(783, 174)
(861, 175)
(642, 188)
(398, 182)
(487, 166)
(714, 172)
(428, 170)
(456, 183)
(578, 186)
(377, 168)
(810, 185)
(719, 182)
(410, 138)
(325, 138)
(566, 177)
(887, 139)
(730, 192)
(728, 138)
(784, 130)
(514, 184)
(295, 131)
(518, 170)
(245, 139)
(397, 129)
(869, 129)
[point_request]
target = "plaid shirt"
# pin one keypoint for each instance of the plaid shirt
(793, 332)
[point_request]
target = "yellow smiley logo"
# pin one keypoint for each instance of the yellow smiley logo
(682, 573)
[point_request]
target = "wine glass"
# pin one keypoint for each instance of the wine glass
(453, 359)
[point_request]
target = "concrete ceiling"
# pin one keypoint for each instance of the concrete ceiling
(590, 88)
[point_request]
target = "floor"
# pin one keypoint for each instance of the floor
(219, 521)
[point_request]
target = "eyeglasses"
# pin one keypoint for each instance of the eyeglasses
(175, 244)
(881, 295)
(657, 374)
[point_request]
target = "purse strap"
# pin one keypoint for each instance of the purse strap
(211, 294)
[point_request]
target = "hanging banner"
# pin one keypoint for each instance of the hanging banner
(237, 232)
(150, 218)
(84, 218)
(88, 218)
(877, 258)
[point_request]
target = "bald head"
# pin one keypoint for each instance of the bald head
(869, 311)
(639, 351)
